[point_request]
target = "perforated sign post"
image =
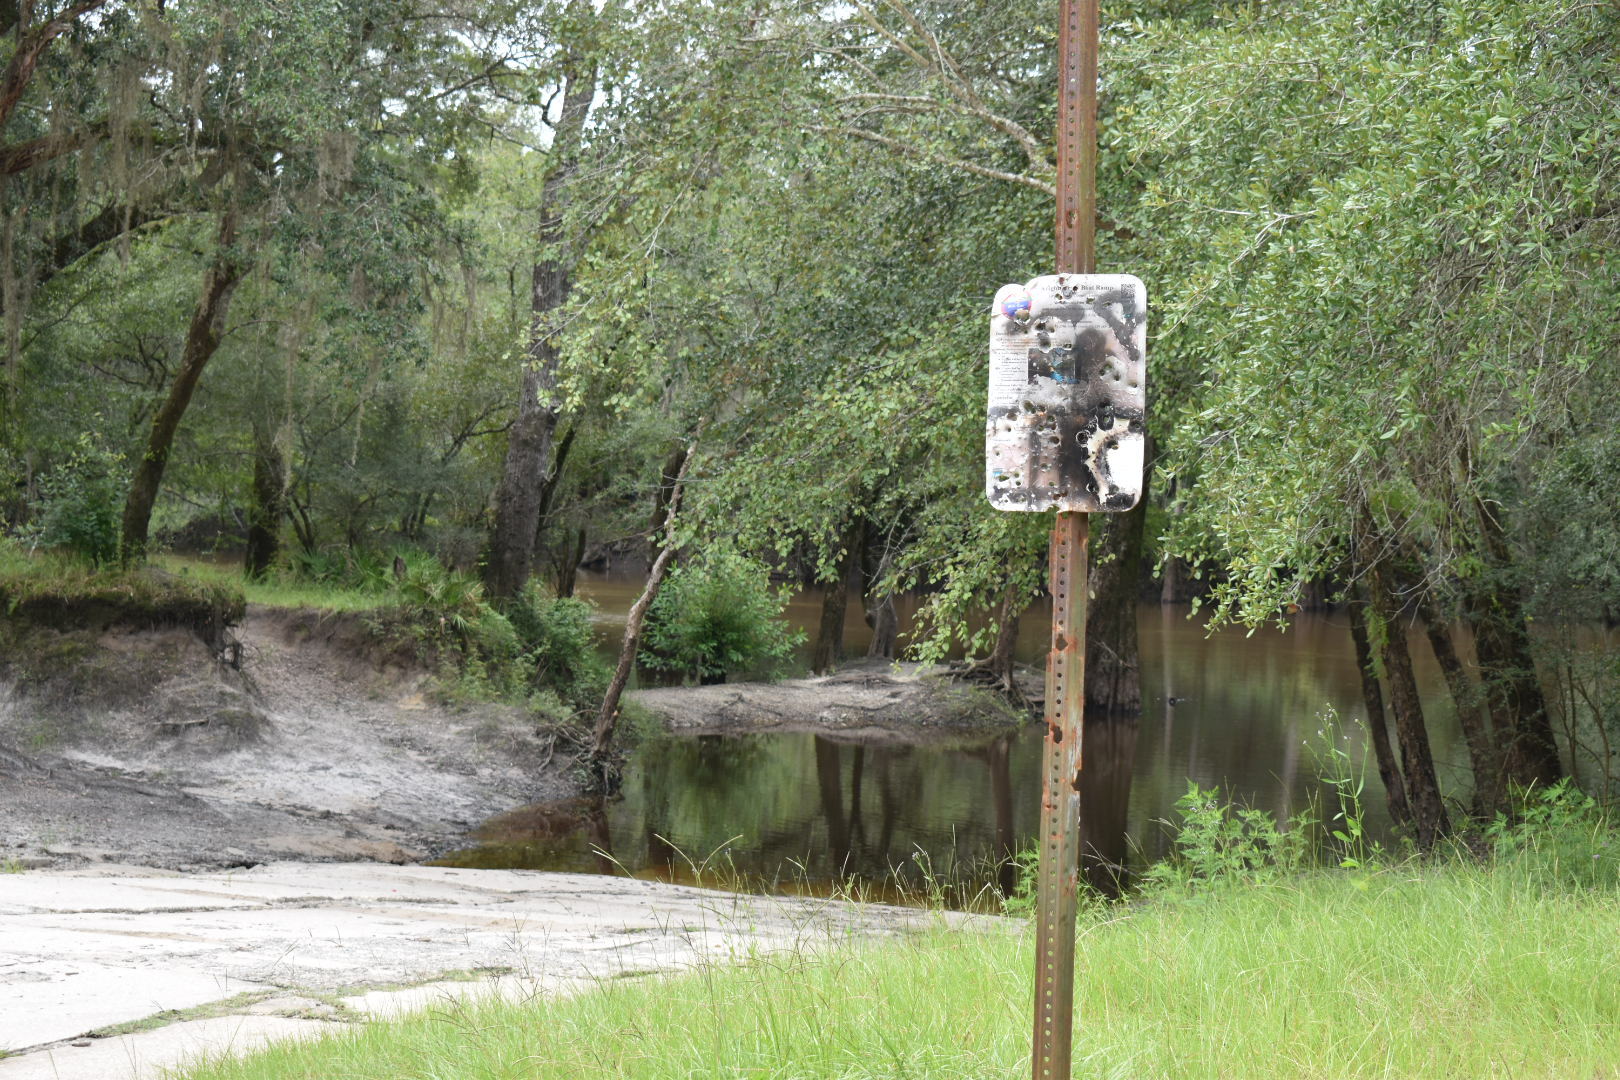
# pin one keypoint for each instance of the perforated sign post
(1064, 431)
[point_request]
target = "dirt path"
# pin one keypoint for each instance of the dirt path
(313, 752)
(114, 973)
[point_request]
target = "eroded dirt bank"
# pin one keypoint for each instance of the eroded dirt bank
(142, 747)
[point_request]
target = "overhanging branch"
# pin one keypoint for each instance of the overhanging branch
(909, 150)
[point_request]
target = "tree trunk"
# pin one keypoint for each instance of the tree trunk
(528, 448)
(1113, 659)
(835, 601)
(666, 486)
(881, 615)
(608, 717)
(1422, 785)
(885, 627)
(1377, 729)
(1170, 578)
(1508, 667)
(1484, 757)
(202, 339)
(269, 503)
(1002, 653)
(548, 490)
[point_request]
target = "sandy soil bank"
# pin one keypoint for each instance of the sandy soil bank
(156, 755)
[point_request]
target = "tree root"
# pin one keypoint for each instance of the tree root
(981, 673)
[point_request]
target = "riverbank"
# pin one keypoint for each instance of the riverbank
(152, 747)
(1449, 970)
(157, 721)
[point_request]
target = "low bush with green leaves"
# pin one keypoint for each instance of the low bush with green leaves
(1219, 844)
(536, 647)
(719, 615)
(560, 641)
(80, 504)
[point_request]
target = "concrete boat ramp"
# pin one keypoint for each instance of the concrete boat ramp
(120, 972)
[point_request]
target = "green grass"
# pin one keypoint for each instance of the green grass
(23, 572)
(1451, 970)
(274, 591)
(57, 589)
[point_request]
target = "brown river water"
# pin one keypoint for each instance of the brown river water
(798, 812)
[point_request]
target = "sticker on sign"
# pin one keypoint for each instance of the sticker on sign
(1068, 390)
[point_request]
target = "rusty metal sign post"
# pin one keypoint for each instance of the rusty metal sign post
(1064, 431)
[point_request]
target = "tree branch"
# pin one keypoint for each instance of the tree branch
(22, 156)
(31, 45)
(960, 87)
(930, 155)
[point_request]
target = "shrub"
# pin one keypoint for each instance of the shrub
(557, 635)
(717, 616)
(1221, 844)
(536, 646)
(366, 570)
(80, 503)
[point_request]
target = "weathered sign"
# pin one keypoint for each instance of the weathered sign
(1068, 389)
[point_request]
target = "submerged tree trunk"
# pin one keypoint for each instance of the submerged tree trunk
(1113, 659)
(608, 717)
(1422, 785)
(829, 782)
(202, 340)
(998, 758)
(1389, 771)
(269, 503)
(835, 601)
(1170, 584)
(568, 568)
(528, 448)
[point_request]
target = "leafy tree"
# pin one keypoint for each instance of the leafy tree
(1383, 220)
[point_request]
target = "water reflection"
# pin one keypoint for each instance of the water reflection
(805, 812)
(1109, 747)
